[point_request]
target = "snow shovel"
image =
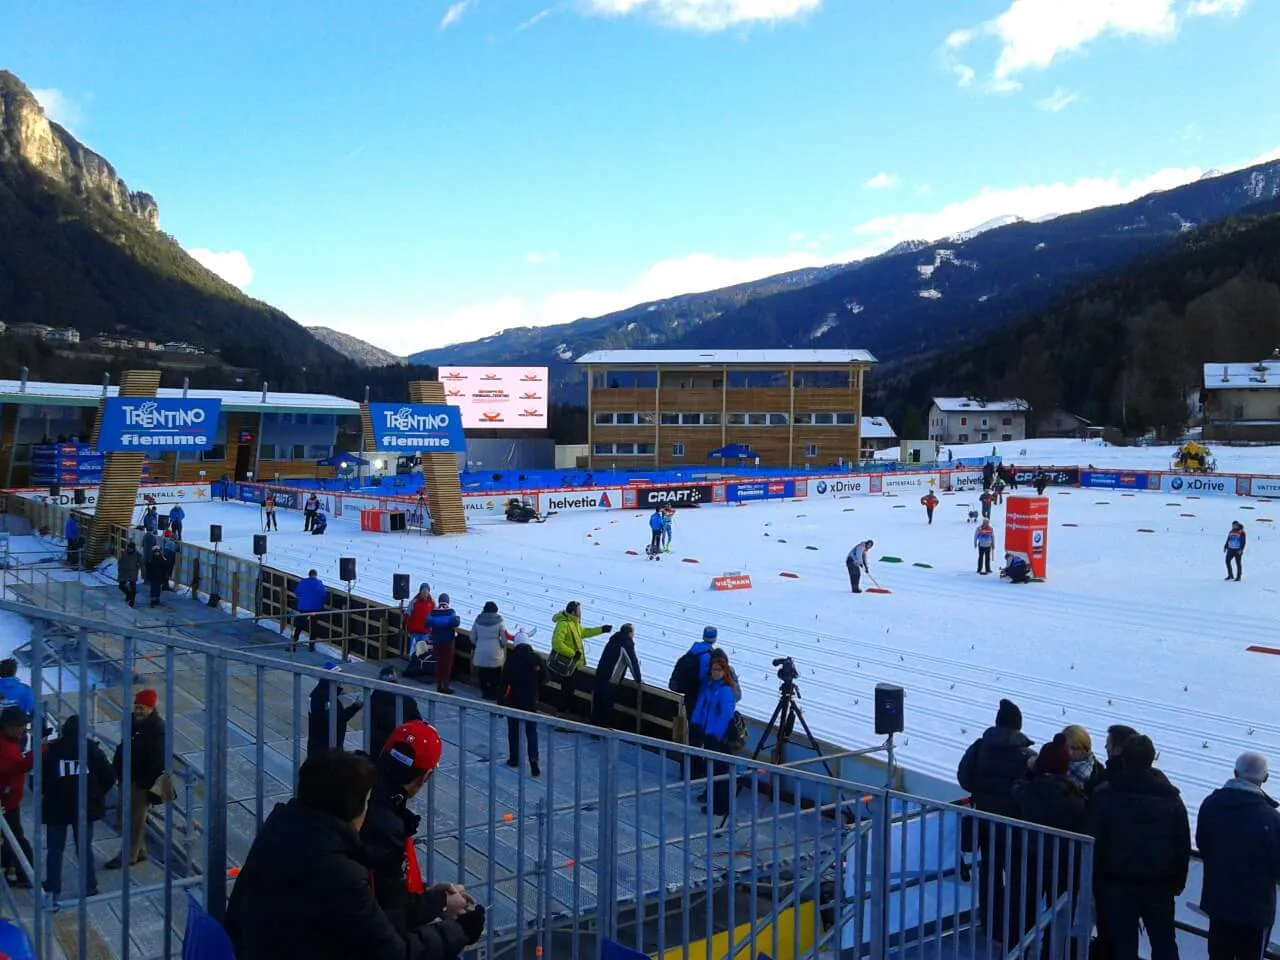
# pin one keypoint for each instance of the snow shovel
(877, 588)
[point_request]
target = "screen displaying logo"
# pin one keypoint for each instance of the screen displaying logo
(417, 426)
(136, 424)
(505, 398)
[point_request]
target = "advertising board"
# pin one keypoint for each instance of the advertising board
(175, 493)
(140, 424)
(502, 398)
(1115, 480)
(966, 480)
(570, 500)
(408, 427)
(1264, 487)
(1026, 530)
(1215, 484)
(909, 482)
(761, 490)
(476, 505)
(840, 486)
(1056, 476)
(687, 495)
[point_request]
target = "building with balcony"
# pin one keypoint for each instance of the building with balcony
(970, 420)
(1242, 401)
(786, 408)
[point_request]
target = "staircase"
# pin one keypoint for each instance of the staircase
(440, 470)
(121, 475)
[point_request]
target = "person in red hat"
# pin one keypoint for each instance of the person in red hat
(407, 761)
(146, 767)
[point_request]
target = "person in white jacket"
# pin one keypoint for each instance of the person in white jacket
(490, 642)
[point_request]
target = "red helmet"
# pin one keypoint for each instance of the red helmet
(415, 744)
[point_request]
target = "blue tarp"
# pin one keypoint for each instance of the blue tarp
(341, 458)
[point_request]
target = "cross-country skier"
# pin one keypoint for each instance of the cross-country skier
(857, 563)
(1234, 547)
(269, 517)
(998, 489)
(930, 503)
(984, 538)
(309, 511)
(668, 515)
(656, 525)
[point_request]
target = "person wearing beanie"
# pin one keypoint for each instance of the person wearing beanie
(60, 807)
(569, 651)
(1234, 548)
(520, 687)
(1142, 852)
(147, 766)
(489, 644)
(989, 769)
(442, 624)
(415, 618)
(1238, 836)
(387, 711)
(406, 762)
(692, 670)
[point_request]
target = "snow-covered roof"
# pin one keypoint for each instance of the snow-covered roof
(1264, 375)
(965, 404)
(650, 358)
(88, 394)
(877, 428)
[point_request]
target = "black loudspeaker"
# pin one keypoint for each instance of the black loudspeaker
(54, 490)
(215, 533)
(163, 521)
(78, 496)
(347, 569)
(889, 718)
(259, 544)
(396, 522)
(399, 586)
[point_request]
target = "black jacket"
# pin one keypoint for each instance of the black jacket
(61, 800)
(305, 890)
(992, 765)
(382, 717)
(387, 827)
(1052, 801)
(523, 674)
(129, 567)
(146, 752)
(1140, 824)
(157, 568)
(618, 658)
(1238, 835)
(318, 718)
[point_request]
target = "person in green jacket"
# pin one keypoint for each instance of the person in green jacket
(567, 640)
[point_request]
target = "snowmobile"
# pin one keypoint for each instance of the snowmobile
(522, 511)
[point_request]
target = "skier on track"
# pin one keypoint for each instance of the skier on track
(857, 564)
(668, 515)
(930, 503)
(1234, 547)
(984, 538)
(656, 525)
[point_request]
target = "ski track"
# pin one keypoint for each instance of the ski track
(954, 672)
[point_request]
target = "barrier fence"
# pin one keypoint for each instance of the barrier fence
(613, 840)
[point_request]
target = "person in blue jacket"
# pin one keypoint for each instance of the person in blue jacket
(712, 718)
(176, 516)
(150, 519)
(984, 538)
(1233, 548)
(72, 533)
(442, 624)
(656, 526)
(311, 596)
(1016, 568)
(13, 692)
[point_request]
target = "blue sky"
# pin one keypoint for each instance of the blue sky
(419, 173)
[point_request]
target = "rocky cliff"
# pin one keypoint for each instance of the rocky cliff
(25, 132)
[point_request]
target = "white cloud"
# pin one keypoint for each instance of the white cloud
(1214, 8)
(881, 181)
(455, 12)
(59, 107)
(533, 21)
(1057, 101)
(231, 265)
(708, 15)
(797, 236)
(537, 257)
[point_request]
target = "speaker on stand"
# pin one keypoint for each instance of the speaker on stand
(890, 719)
(259, 551)
(346, 573)
(400, 593)
(215, 537)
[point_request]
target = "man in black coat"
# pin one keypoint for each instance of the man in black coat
(1238, 835)
(383, 707)
(991, 766)
(146, 763)
(305, 888)
(412, 753)
(60, 805)
(520, 687)
(1141, 854)
(618, 658)
(157, 571)
(325, 695)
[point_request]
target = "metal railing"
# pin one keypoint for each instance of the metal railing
(613, 840)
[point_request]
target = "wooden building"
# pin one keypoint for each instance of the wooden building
(263, 433)
(665, 408)
(1242, 401)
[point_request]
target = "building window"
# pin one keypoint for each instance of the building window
(646, 419)
(846, 419)
(1006, 437)
(217, 452)
(318, 451)
(984, 422)
(1007, 422)
(985, 436)
(804, 419)
(299, 452)
(268, 451)
(737, 419)
(824, 419)
(964, 421)
(604, 419)
(603, 449)
(691, 419)
(677, 449)
(777, 419)
(670, 419)
(810, 449)
(963, 438)
(757, 419)
(625, 419)
(644, 449)
(711, 419)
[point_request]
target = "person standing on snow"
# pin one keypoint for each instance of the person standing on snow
(176, 516)
(269, 518)
(656, 526)
(309, 511)
(1042, 481)
(857, 563)
(986, 500)
(997, 488)
(1234, 547)
(668, 515)
(984, 538)
(930, 503)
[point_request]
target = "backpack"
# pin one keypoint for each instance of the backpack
(735, 737)
(686, 675)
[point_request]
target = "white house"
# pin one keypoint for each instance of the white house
(877, 434)
(969, 420)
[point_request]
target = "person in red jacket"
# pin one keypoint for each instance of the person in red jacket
(930, 503)
(986, 500)
(14, 767)
(415, 618)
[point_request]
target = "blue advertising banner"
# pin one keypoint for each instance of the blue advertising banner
(1114, 480)
(140, 424)
(760, 490)
(417, 426)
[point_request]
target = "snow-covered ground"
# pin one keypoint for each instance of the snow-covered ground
(1131, 627)
(1082, 453)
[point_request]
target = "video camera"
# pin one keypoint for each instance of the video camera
(787, 671)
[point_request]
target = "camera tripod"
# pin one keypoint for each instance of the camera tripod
(782, 725)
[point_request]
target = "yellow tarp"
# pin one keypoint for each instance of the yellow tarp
(783, 927)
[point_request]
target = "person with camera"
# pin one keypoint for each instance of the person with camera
(325, 696)
(306, 888)
(404, 765)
